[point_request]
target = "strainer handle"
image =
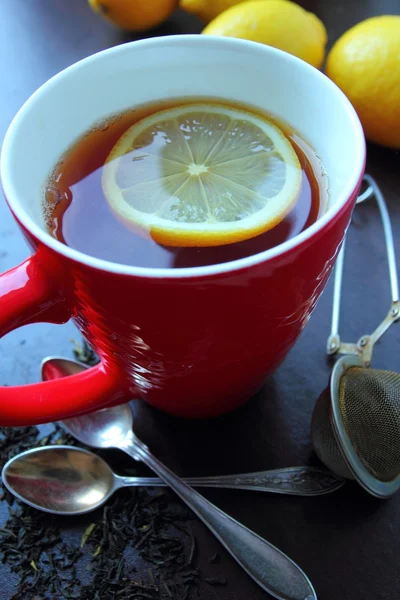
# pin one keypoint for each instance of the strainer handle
(365, 344)
(387, 228)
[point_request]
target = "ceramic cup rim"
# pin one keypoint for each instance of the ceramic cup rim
(188, 272)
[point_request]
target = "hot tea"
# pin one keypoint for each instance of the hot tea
(100, 211)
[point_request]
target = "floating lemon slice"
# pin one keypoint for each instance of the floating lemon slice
(202, 175)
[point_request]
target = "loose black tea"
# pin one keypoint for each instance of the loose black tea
(139, 546)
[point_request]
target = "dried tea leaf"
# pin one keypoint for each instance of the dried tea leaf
(87, 533)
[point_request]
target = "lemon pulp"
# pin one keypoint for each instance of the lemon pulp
(202, 175)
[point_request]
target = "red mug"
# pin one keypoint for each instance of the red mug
(195, 342)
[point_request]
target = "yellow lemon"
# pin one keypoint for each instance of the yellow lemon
(207, 10)
(365, 64)
(202, 175)
(279, 23)
(135, 15)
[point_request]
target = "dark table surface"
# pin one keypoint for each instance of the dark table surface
(348, 543)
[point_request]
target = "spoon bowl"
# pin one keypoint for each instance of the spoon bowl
(100, 429)
(61, 480)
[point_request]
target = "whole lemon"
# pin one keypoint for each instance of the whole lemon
(279, 23)
(365, 64)
(134, 15)
(207, 10)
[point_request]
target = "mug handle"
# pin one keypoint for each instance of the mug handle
(28, 296)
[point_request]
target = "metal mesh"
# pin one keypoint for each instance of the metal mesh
(323, 438)
(369, 401)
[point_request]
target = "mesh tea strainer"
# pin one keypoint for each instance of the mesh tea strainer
(356, 421)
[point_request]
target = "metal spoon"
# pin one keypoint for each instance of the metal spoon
(65, 480)
(275, 572)
(297, 481)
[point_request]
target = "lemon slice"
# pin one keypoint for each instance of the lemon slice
(202, 175)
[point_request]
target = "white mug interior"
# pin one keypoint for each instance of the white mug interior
(117, 79)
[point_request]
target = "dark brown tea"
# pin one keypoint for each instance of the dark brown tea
(77, 212)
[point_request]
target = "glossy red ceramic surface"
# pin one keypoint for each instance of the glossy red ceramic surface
(194, 342)
(195, 347)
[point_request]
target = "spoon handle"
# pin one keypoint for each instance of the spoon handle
(269, 567)
(297, 481)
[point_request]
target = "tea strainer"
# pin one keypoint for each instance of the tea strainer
(356, 421)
